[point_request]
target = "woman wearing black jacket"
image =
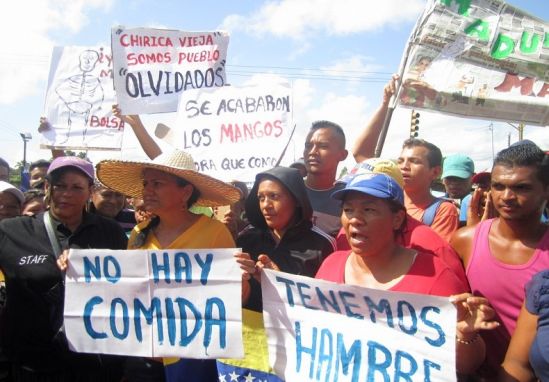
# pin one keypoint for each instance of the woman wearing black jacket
(280, 230)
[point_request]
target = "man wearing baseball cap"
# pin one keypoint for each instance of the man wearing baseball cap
(457, 171)
(457, 174)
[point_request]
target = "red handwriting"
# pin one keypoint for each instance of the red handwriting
(248, 131)
(108, 122)
(526, 85)
(128, 39)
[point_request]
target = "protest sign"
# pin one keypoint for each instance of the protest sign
(478, 58)
(154, 303)
(234, 132)
(320, 331)
(152, 67)
(79, 99)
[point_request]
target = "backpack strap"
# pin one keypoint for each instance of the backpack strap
(54, 241)
(431, 211)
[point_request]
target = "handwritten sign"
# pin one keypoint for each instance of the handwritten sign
(79, 99)
(320, 331)
(234, 132)
(157, 303)
(477, 58)
(152, 67)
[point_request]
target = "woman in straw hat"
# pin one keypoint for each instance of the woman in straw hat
(169, 186)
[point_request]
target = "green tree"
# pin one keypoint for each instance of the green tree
(80, 154)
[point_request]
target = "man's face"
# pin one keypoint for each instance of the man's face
(457, 188)
(108, 202)
(37, 175)
(416, 170)
(517, 193)
(4, 174)
(323, 151)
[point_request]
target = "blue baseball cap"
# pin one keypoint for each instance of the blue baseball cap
(378, 185)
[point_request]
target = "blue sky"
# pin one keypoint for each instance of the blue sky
(338, 56)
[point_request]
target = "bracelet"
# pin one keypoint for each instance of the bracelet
(468, 342)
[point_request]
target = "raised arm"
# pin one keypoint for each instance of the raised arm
(366, 141)
(44, 125)
(148, 144)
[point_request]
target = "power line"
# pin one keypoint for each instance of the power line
(307, 69)
(36, 59)
(313, 77)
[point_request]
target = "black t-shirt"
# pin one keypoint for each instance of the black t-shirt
(35, 289)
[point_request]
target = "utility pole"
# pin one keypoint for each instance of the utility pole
(491, 127)
(520, 129)
(26, 137)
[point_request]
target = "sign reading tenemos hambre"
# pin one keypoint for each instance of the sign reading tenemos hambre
(154, 303)
(152, 67)
(322, 331)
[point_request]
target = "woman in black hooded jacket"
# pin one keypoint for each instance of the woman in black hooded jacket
(280, 213)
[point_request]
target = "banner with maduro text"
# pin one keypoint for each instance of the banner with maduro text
(478, 58)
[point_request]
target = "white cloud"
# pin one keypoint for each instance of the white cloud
(299, 18)
(459, 135)
(26, 46)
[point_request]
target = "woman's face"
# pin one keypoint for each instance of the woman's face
(107, 202)
(162, 194)
(276, 204)
(69, 194)
(369, 223)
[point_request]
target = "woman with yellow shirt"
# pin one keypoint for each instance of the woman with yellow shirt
(169, 186)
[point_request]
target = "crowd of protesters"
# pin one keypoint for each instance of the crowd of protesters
(485, 243)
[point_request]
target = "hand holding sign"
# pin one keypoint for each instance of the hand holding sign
(251, 268)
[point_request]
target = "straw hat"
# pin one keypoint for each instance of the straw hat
(126, 177)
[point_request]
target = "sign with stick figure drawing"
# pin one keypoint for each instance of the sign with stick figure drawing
(78, 101)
